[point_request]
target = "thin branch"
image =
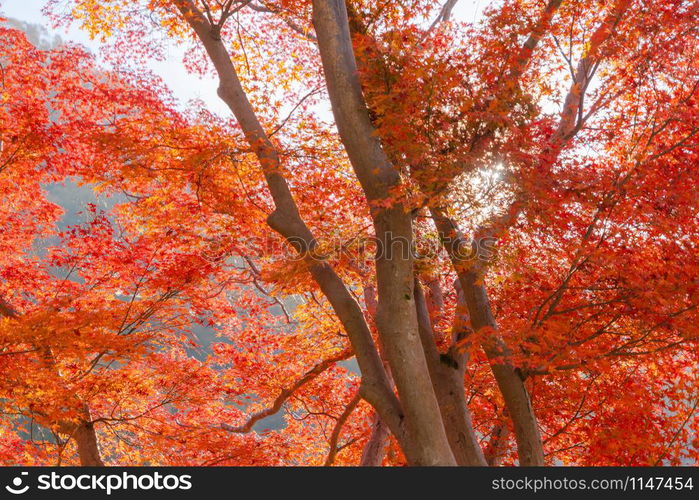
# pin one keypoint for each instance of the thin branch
(677, 432)
(335, 436)
(287, 393)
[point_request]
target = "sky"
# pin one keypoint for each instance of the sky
(182, 84)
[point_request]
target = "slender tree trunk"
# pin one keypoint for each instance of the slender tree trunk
(447, 374)
(396, 321)
(529, 445)
(497, 444)
(435, 299)
(375, 448)
(84, 435)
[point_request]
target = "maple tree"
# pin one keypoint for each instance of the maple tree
(426, 242)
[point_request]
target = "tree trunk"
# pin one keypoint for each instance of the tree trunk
(88, 449)
(529, 445)
(396, 317)
(375, 448)
(497, 444)
(447, 374)
(84, 435)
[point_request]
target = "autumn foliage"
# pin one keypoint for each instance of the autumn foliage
(414, 240)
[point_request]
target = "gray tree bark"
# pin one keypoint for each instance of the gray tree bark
(396, 317)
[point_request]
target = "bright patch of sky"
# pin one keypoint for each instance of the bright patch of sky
(183, 85)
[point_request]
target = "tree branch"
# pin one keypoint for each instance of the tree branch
(286, 394)
(335, 436)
